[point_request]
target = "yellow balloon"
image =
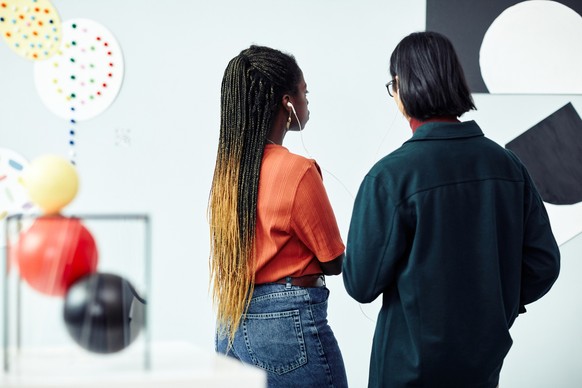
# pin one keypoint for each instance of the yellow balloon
(52, 182)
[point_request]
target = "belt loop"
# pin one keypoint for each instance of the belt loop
(288, 283)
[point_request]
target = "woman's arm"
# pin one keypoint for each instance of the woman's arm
(333, 267)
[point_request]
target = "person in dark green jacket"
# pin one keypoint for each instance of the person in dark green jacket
(450, 230)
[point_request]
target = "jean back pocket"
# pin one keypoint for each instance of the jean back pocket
(275, 340)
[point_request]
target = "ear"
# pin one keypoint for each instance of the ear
(285, 100)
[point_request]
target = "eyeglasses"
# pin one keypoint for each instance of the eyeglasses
(392, 87)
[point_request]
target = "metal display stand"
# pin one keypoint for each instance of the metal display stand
(33, 326)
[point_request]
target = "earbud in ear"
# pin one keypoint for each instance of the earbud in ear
(295, 113)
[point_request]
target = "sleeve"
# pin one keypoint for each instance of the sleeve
(541, 255)
(376, 243)
(313, 219)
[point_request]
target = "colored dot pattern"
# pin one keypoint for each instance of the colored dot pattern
(85, 75)
(31, 28)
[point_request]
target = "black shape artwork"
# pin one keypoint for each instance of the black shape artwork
(465, 23)
(552, 152)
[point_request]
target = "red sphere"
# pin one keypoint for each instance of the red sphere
(54, 252)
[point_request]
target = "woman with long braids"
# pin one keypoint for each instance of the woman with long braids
(274, 235)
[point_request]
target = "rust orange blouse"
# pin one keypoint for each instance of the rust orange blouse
(296, 226)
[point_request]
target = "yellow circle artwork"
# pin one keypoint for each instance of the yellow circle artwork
(52, 182)
(31, 28)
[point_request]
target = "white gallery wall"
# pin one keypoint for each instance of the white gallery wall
(152, 151)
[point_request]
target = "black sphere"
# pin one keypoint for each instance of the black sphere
(103, 312)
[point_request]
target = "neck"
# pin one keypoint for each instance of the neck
(415, 123)
(276, 136)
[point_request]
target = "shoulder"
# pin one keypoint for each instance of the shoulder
(280, 161)
(282, 154)
(397, 160)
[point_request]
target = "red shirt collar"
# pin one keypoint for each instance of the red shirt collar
(415, 123)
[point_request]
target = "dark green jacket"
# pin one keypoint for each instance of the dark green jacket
(450, 229)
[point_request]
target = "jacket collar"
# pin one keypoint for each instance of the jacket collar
(444, 130)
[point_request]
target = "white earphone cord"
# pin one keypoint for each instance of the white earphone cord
(309, 154)
(330, 173)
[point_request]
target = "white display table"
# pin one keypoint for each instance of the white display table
(173, 365)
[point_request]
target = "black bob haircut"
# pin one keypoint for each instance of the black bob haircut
(431, 81)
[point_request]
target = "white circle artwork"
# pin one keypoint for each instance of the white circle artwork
(533, 47)
(85, 76)
(14, 197)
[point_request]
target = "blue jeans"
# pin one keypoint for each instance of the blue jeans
(286, 333)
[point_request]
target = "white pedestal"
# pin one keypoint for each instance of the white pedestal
(174, 365)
